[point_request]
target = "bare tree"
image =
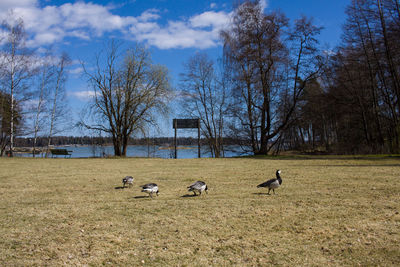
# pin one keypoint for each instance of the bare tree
(40, 109)
(58, 106)
(127, 93)
(356, 108)
(364, 79)
(16, 68)
(205, 97)
(271, 70)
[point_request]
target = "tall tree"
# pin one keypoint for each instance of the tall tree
(271, 70)
(16, 68)
(128, 91)
(364, 78)
(57, 104)
(39, 110)
(205, 97)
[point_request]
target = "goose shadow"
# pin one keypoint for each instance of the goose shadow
(119, 187)
(190, 195)
(139, 197)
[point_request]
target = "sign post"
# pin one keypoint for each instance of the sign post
(186, 124)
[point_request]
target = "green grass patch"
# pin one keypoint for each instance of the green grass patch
(328, 211)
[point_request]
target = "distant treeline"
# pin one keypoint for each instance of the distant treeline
(103, 141)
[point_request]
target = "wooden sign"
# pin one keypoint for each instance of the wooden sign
(185, 123)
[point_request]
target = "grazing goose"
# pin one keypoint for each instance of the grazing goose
(273, 183)
(127, 180)
(198, 186)
(150, 189)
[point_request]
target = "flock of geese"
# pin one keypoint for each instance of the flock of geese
(200, 186)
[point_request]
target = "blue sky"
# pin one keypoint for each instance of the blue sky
(172, 30)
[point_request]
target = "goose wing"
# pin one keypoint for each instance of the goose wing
(267, 183)
(149, 186)
(197, 185)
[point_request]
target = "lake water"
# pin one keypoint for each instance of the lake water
(184, 152)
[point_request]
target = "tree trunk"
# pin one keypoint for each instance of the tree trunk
(117, 146)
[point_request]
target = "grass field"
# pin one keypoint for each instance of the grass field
(333, 212)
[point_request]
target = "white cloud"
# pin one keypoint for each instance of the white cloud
(215, 19)
(80, 34)
(50, 24)
(177, 35)
(8, 4)
(151, 14)
(144, 27)
(97, 17)
(49, 37)
(76, 71)
(83, 95)
(200, 31)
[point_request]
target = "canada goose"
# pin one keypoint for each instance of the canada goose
(150, 189)
(198, 186)
(273, 183)
(127, 180)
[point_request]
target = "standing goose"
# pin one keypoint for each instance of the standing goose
(198, 186)
(150, 189)
(127, 180)
(273, 183)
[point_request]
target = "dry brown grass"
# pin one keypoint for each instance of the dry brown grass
(332, 212)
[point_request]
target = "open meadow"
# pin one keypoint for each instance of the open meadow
(328, 211)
